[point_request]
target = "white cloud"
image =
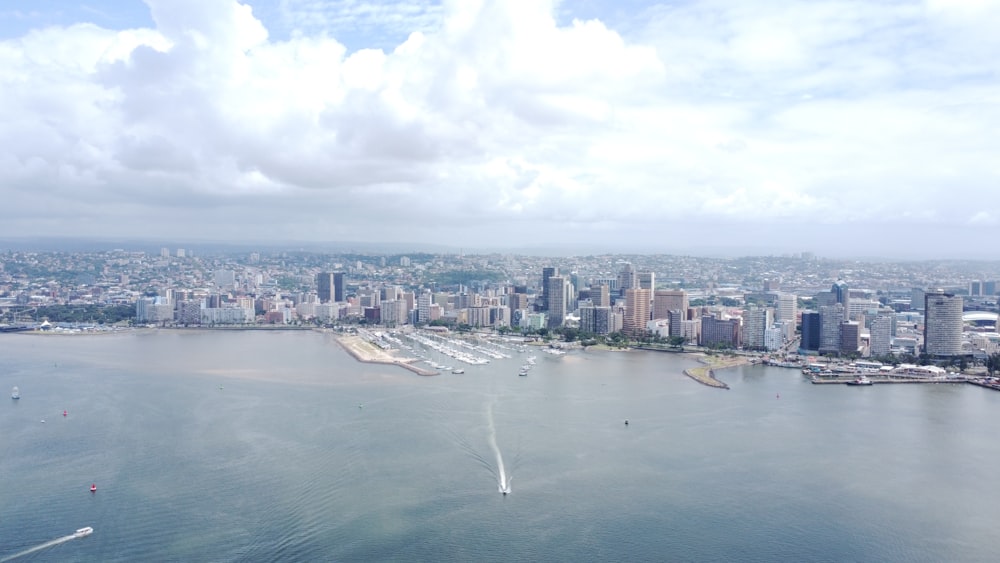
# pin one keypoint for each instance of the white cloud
(490, 113)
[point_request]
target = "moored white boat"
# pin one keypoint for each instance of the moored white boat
(15, 393)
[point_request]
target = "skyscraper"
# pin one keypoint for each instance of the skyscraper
(636, 312)
(324, 286)
(720, 332)
(338, 287)
(546, 274)
(756, 321)
(850, 337)
(811, 328)
(942, 324)
(558, 300)
(975, 288)
(917, 299)
(600, 295)
(787, 305)
(627, 278)
(830, 318)
(880, 341)
(646, 280)
(666, 300)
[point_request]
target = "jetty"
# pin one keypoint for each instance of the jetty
(706, 374)
(366, 352)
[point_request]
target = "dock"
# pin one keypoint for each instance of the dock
(898, 380)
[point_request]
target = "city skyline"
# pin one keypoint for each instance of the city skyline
(841, 128)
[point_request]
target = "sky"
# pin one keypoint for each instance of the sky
(840, 127)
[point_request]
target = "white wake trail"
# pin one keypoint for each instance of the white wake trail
(45, 545)
(501, 472)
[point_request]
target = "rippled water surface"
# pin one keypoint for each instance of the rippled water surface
(277, 446)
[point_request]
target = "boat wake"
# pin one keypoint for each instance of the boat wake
(37, 548)
(502, 474)
(503, 480)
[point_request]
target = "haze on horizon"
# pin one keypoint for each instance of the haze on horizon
(840, 127)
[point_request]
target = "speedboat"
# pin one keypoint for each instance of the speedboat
(15, 394)
(458, 371)
(523, 373)
(860, 380)
(83, 532)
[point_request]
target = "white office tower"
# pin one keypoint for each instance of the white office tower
(880, 339)
(787, 307)
(942, 324)
(830, 318)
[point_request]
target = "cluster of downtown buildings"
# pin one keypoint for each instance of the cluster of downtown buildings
(843, 322)
(703, 301)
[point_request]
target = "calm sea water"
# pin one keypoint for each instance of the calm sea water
(277, 446)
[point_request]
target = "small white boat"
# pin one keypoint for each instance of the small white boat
(83, 532)
(15, 393)
(458, 371)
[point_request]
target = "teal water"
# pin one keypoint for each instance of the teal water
(251, 446)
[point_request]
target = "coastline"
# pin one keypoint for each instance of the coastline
(706, 374)
(364, 352)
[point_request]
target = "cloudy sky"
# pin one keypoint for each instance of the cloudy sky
(842, 127)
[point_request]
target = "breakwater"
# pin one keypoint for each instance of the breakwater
(706, 374)
(355, 346)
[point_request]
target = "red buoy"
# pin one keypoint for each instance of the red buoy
(93, 488)
(64, 413)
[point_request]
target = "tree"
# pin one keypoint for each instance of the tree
(993, 363)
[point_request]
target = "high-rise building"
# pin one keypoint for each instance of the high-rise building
(600, 295)
(942, 324)
(646, 280)
(424, 302)
(636, 311)
(786, 309)
(596, 320)
(880, 341)
(674, 321)
(558, 300)
(841, 292)
(547, 273)
(666, 300)
(720, 332)
(975, 288)
(610, 281)
(917, 299)
(830, 318)
(756, 321)
(627, 278)
(990, 288)
(774, 337)
(811, 329)
(324, 286)
(338, 287)
(850, 337)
